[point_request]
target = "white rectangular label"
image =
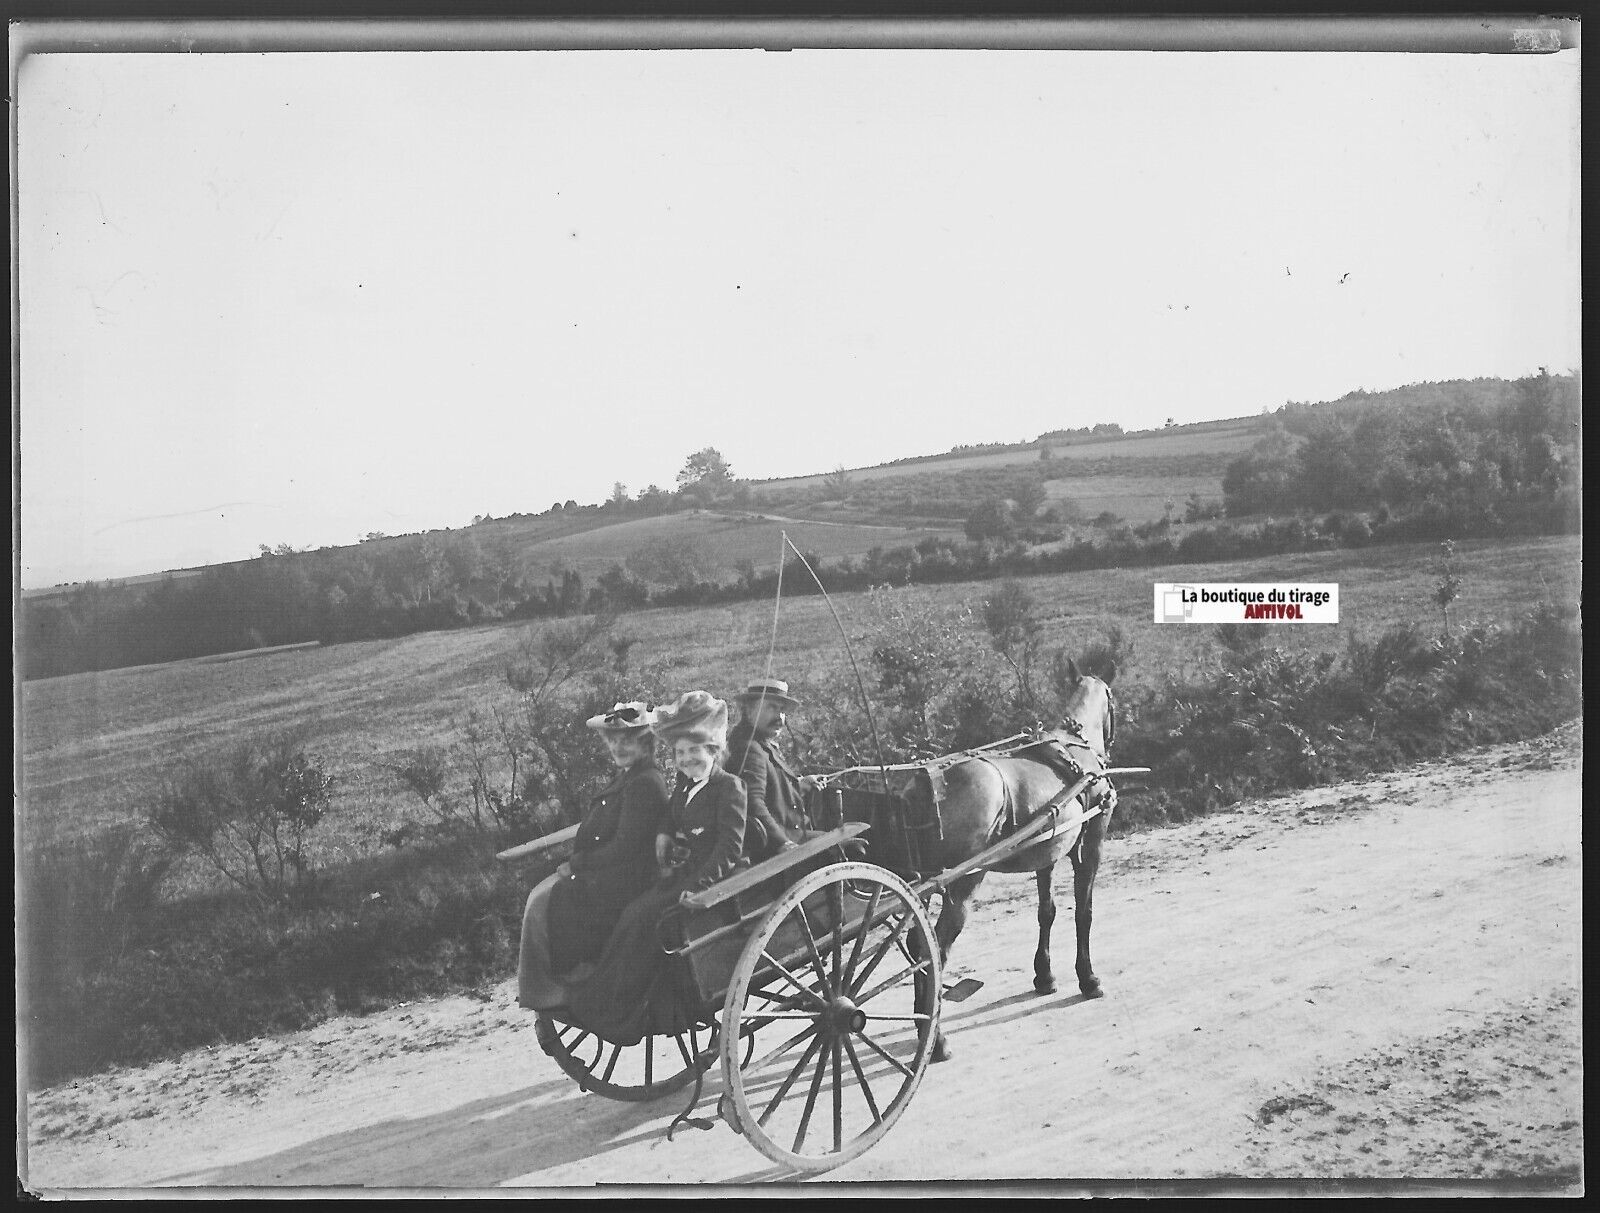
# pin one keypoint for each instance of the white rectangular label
(1246, 602)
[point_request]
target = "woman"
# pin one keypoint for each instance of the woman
(570, 916)
(637, 989)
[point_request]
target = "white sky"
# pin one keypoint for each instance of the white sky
(299, 297)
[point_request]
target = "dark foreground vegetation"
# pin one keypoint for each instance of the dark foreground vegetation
(1465, 459)
(117, 973)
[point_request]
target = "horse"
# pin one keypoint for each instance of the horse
(988, 798)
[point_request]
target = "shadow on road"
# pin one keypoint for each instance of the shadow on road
(516, 1135)
(479, 1144)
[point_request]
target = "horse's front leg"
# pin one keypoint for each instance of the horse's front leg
(952, 917)
(1044, 980)
(1085, 866)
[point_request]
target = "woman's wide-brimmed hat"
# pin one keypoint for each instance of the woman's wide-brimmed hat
(696, 716)
(623, 718)
(767, 690)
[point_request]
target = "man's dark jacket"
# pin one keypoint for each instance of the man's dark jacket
(776, 805)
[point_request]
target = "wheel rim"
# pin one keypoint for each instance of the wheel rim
(855, 1036)
(656, 1066)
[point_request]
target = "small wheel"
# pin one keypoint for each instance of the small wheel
(656, 1066)
(825, 970)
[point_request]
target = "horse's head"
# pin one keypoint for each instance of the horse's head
(1088, 706)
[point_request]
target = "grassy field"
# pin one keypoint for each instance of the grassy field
(1229, 439)
(97, 746)
(727, 537)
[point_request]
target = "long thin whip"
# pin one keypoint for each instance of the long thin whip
(783, 538)
(849, 652)
(772, 644)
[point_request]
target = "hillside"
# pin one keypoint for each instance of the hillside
(1106, 474)
(1469, 458)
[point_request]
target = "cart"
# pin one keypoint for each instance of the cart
(819, 975)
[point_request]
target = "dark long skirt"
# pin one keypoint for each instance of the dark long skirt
(584, 910)
(637, 989)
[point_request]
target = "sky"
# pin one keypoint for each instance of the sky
(299, 297)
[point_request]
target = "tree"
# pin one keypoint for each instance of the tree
(1029, 496)
(619, 494)
(654, 499)
(1266, 477)
(673, 561)
(705, 474)
(991, 520)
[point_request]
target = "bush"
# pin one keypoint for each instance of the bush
(248, 815)
(1272, 719)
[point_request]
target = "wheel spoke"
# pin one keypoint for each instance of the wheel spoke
(790, 978)
(778, 1052)
(649, 1059)
(889, 981)
(616, 1052)
(811, 1099)
(683, 1049)
(855, 1064)
(880, 952)
(573, 1045)
(811, 947)
(838, 1102)
(861, 935)
(916, 1018)
(762, 1018)
(836, 902)
(788, 1082)
(893, 1061)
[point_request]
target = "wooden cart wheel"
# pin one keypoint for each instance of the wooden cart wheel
(656, 1066)
(857, 1018)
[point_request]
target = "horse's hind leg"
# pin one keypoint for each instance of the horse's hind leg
(1044, 980)
(1085, 866)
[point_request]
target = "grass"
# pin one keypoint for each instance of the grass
(1232, 438)
(95, 746)
(727, 537)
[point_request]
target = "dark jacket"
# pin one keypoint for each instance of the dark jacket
(612, 863)
(709, 828)
(772, 790)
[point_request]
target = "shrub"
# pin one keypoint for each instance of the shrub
(248, 815)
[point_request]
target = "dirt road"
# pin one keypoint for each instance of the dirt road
(1369, 981)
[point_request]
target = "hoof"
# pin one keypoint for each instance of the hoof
(1092, 990)
(941, 1051)
(1045, 985)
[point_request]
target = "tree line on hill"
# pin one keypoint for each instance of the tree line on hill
(1434, 461)
(1478, 454)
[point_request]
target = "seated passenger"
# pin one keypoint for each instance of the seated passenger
(637, 989)
(774, 792)
(570, 916)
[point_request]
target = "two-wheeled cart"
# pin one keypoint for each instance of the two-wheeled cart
(819, 975)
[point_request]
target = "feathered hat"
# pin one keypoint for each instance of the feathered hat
(622, 718)
(696, 716)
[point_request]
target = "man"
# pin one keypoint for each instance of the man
(774, 793)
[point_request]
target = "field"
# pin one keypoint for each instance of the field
(96, 746)
(726, 537)
(1230, 438)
